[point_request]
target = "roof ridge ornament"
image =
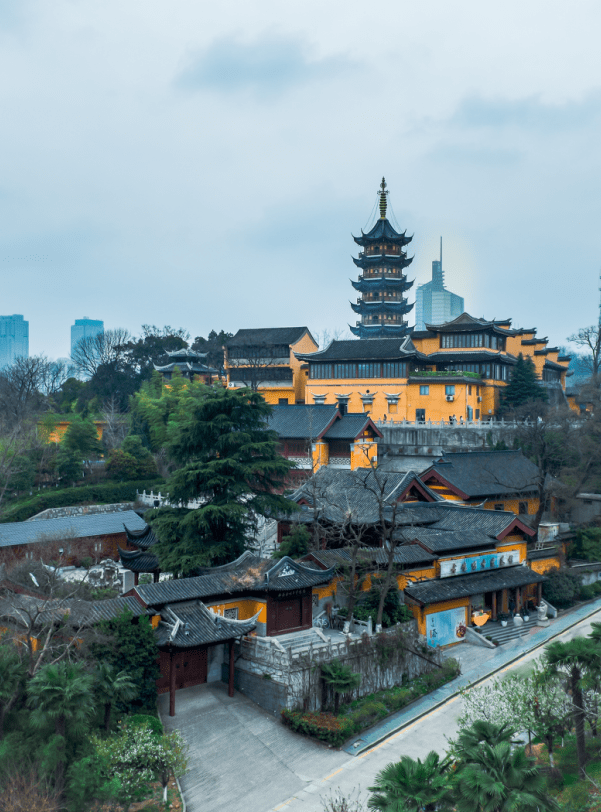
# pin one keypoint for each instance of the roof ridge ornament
(382, 195)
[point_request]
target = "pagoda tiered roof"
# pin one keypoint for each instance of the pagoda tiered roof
(373, 260)
(380, 283)
(382, 232)
(466, 323)
(379, 330)
(384, 306)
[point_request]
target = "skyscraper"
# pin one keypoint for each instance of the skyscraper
(84, 328)
(434, 304)
(14, 339)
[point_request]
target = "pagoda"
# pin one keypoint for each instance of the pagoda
(382, 283)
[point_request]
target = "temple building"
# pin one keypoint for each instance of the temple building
(190, 365)
(383, 283)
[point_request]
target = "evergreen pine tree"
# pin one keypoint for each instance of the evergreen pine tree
(227, 458)
(523, 386)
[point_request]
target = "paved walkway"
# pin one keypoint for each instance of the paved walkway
(242, 759)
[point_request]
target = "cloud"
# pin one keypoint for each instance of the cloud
(529, 113)
(268, 66)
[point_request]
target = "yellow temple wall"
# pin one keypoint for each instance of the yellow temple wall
(299, 376)
(364, 454)
(60, 429)
(420, 612)
(543, 565)
(513, 504)
(321, 455)
(273, 396)
(247, 608)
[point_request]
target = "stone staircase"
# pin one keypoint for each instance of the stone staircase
(301, 641)
(504, 634)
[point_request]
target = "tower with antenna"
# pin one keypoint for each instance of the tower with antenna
(434, 304)
(383, 283)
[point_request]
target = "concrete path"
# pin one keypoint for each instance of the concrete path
(242, 759)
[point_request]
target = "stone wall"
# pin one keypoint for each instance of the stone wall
(80, 510)
(293, 679)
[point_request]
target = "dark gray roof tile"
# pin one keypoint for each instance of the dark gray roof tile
(69, 527)
(445, 589)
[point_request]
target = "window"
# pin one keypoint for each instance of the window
(499, 506)
(424, 390)
(469, 389)
(282, 401)
(232, 613)
(393, 408)
(477, 414)
(420, 415)
(523, 508)
(449, 389)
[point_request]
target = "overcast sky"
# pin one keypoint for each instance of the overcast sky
(204, 164)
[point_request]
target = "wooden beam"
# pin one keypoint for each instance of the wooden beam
(230, 689)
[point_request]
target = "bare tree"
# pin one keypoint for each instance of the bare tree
(102, 349)
(590, 339)
(26, 385)
(326, 336)
(115, 425)
(256, 366)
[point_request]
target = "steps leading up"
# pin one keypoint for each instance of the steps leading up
(510, 632)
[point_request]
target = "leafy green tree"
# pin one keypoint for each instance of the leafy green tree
(562, 587)
(151, 348)
(213, 346)
(296, 545)
(393, 611)
(571, 661)
(90, 780)
(81, 437)
(481, 731)
(121, 466)
(587, 544)
(495, 778)
(413, 786)
(61, 695)
(341, 679)
(112, 685)
(69, 465)
(523, 386)
(227, 459)
(12, 678)
(131, 461)
(130, 647)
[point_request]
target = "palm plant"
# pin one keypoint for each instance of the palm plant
(110, 686)
(413, 786)
(480, 731)
(495, 778)
(340, 678)
(571, 661)
(61, 694)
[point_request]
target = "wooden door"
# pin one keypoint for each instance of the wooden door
(193, 667)
(289, 614)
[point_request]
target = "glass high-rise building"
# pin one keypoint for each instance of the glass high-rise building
(434, 304)
(84, 328)
(14, 339)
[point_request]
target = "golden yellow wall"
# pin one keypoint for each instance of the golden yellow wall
(247, 608)
(513, 545)
(427, 345)
(513, 504)
(299, 377)
(61, 427)
(545, 564)
(412, 576)
(364, 454)
(273, 395)
(321, 454)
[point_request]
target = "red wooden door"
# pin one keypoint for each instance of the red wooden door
(289, 614)
(193, 668)
(163, 680)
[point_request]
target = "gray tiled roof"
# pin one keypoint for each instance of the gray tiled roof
(350, 426)
(138, 560)
(267, 336)
(143, 539)
(360, 349)
(246, 574)
(444, 589)
(488, 473)
(301, 421)
(198, 626)
(77, 613)
(407, 554)
(69, 527)
(441, 541)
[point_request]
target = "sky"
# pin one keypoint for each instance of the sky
(204, 165)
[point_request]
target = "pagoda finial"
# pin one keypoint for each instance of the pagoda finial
(383, 194)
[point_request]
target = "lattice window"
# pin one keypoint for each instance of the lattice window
(232, 613)
(315, 600)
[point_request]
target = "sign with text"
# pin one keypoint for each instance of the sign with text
(446, 627)
(479, 563)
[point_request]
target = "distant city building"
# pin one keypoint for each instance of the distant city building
(84, 328)
(434, 304)
(14, 339)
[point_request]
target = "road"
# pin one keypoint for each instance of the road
(428, 733)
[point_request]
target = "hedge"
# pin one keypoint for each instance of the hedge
(100, 494)
(364, 712)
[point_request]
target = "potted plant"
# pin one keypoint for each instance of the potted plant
(503, 617)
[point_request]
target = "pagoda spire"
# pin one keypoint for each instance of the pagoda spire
(383, 202)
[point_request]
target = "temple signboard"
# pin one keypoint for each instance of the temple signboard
(446, 627)
(479, 563)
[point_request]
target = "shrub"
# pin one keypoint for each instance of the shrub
(145, 720)
(596, 587)
(326, 727)
(587, 592)
(400, 697)
(561, 588)
(367, 714)
(101, 494)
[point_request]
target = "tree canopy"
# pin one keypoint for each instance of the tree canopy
(226, 458)
(524, 386)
